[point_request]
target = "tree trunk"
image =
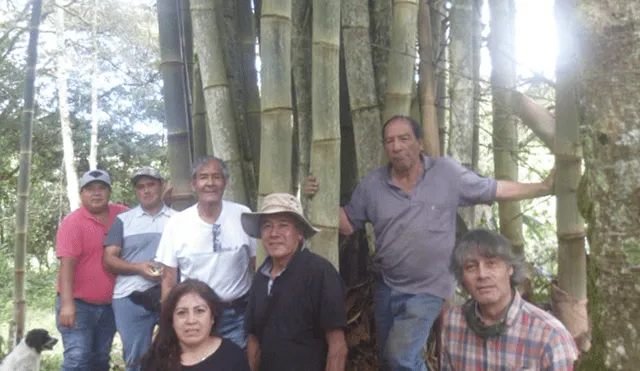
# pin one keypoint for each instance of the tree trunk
(175, 105)
(325, 144)
(199, 116)
(402, 58)
(569, 301)
(22, 214)
(301, 68)
(73, 194)
(93, 150)
(247, 39)
(505, 134)
(427, 83)
(209, 45)
(462, 89)
(365, 112)
(609, 54)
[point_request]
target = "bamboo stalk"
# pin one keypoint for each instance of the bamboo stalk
(235, 72)
(439, 28)
(22, 203)
(301, 68)
(400, 75)
(199, 115)
(572, 264)
(325, 144)
(247, 42)
(427, 83)
(275, 103)
(505, 134)
(276, 119)
(365, 112)
(174, 93)
(381, 16)
(222, 124)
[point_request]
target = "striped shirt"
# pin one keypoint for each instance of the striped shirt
(137, 233)
(534, 340)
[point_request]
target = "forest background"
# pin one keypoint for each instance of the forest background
(111, 79)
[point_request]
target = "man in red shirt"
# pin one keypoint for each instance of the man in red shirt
(84, 315)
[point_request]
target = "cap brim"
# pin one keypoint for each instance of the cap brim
(135, 178)
(251, 224)
(94, 181)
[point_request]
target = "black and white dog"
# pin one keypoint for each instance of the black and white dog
(26, 355)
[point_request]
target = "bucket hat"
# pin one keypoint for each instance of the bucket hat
(276, 203)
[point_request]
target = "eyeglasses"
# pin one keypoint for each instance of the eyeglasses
(217, 245)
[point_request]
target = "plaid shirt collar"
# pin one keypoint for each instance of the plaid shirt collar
(514, 309)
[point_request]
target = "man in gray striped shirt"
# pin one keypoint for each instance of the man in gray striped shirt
(130, 247)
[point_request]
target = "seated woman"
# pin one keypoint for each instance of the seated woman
(186, 339)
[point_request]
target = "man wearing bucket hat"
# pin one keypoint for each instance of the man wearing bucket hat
(129, 249)
(83, 305)
(296, 314)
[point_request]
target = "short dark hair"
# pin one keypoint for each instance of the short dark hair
(200, 161)
(488, 244)
(164, 352)
(415, 125)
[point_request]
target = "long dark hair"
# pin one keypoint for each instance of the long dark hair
(164, 352)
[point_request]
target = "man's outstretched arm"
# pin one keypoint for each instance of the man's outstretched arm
(515, 191)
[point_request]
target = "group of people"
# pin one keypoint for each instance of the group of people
(191, 273)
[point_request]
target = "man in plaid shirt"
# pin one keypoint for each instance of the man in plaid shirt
(497, 329)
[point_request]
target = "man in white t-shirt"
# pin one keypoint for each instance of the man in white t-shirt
(206, 242)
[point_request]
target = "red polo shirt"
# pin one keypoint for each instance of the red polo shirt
(80, 236)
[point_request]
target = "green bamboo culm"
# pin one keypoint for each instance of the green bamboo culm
(175, 104)
(209, 47)
(505, 133)
(325, 112)
(22, 205)
(276, 119)
(572, 257)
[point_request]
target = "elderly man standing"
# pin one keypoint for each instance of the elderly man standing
(83, 305)
(129, 250)
(412, 204)
(206, 242)
(497, 329)
(296, 313)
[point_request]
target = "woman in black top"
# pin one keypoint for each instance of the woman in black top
(186, 339)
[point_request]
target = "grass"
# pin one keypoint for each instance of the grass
(41, 313)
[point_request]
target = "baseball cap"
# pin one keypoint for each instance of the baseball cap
(146, 171)
(95, 176)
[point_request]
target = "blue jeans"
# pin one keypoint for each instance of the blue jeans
(403, 323)
(87, 345)
(231, 326)
(135, 325)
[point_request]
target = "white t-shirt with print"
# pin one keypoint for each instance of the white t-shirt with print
(187, 243)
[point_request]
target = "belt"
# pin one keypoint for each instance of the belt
(238, 303)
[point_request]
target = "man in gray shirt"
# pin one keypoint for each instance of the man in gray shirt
(412, 204)
(130, 247)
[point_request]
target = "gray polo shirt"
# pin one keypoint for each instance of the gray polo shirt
(415, 233)
(138, 235)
